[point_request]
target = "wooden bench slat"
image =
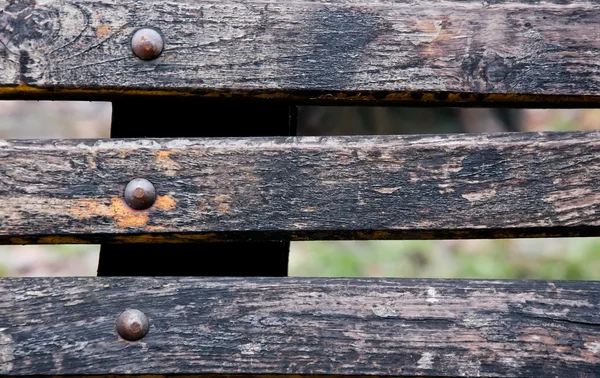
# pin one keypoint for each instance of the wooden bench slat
(461, 51)
(301, 326)
(297, 188)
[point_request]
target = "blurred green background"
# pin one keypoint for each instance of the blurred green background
(573, 258)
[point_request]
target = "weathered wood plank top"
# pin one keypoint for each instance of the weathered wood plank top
(358, 327)
(467, 51)
(297, 188)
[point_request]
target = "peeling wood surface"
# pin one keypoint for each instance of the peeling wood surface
(296, 188)
(468, 51)
(359, 327)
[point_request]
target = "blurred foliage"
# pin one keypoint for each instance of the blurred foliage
(574, 259)
(54, 119)
(48, 260)
(345, 120)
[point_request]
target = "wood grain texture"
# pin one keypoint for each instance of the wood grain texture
(297, 188)
(360, 327)
(467, 51)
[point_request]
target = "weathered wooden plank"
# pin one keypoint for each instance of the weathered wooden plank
(467, 51)
(297, 188)
(359, 327)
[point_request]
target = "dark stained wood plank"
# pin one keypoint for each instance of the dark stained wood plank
(131, 119)
(467, 51)
(289, 326)
(297, 188)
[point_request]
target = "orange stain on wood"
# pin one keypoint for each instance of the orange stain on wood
(222, 203)
(164, 161)
(61, 240)
(170, 238)
(211, 236)
(18, 240)
(223, 208)
(164, 203)
(119, 211)
(141, 239)
(103, 31)
(162, 155)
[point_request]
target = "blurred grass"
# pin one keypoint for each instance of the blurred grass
(576, 258)
(48, 260)
(572, 259)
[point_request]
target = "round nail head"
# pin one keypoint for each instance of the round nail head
(147, 43)
(132, 324)
(140, 194)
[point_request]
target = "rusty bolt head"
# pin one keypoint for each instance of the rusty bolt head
(132, 324)
(147, 43)
(140, 194)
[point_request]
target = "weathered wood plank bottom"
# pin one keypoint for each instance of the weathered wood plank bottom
(299, 188)
(302, 326)
(315, 97)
